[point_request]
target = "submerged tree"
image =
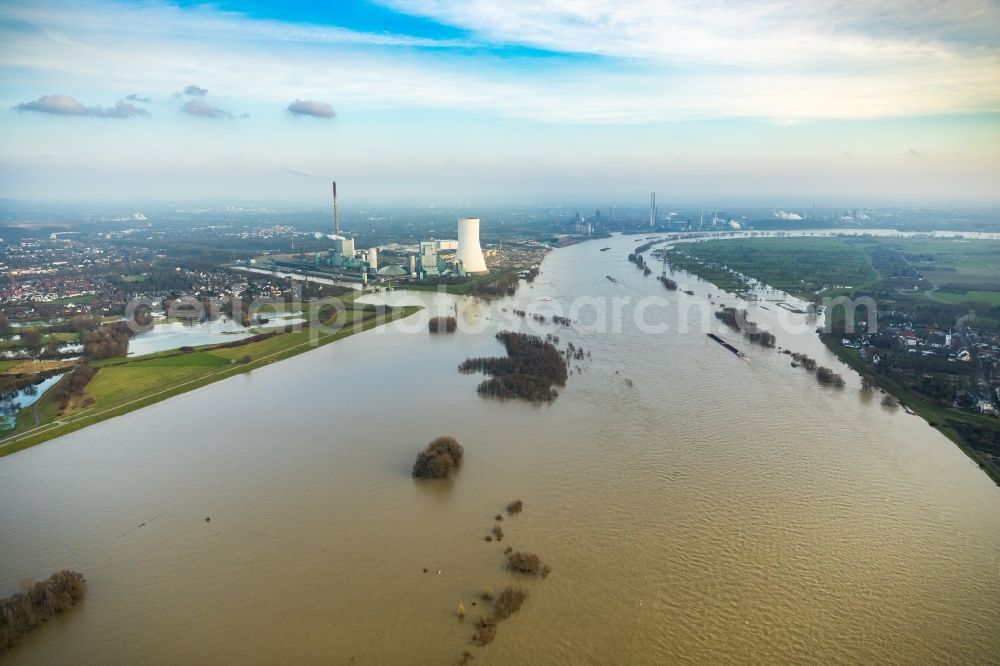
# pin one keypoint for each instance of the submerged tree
(24, 611)
(529, 371)
(507, 603)
(827, 376)
(527, 563)
(439, 459)
(442, 325)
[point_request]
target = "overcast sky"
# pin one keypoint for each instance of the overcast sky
(699, 100)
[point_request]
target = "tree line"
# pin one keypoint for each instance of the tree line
(72, 385)
(504, 285)
(22, 612)
(739, 320)
(106, 341)
(442, 324)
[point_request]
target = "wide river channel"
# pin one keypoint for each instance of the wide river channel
(694, 506)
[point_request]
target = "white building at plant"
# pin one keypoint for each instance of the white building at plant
(470, 254)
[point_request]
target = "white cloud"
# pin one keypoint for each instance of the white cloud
(788, 33)
(64, 105)
(307, 107)
(780, 61)
(199, 107)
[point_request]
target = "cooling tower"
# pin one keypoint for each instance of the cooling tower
(469, 252)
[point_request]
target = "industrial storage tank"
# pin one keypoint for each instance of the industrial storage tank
(469, 252)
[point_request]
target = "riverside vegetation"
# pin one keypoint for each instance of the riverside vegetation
(120, 384)
(441, 457)
(442, 325)
(923, 287)
(40, 602)
(529, 372)
(738, 320)
(512, 597)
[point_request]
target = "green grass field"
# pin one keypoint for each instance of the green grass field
(991, 297)
(832, 264)
(115, 384)
(76, 300)
(956, 262)
(8, 343)
(193, 359)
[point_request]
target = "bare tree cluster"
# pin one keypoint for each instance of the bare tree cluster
(529, 371)
(668, 283)
(739, 320)
(506, 604)
(806, 362)
(72, 385)
(24, 611)
(829, 377)
(106, 341)
(439, 459)
(527, 563)
(442, 325)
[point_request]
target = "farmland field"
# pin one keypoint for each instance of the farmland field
(991, 297)
(833, 264)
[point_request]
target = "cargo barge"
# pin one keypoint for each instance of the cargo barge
(726, 345)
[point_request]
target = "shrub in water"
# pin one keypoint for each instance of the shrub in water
(508, 602)
(527, 563)
(24, 611)
(439, 459)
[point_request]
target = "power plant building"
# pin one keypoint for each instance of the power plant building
(344, 247)
(429, 258)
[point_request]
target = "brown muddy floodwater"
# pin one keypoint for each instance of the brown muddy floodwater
(718, 510)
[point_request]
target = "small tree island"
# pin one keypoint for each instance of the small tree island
(442, 324)
(439, 459)
(529, 371)
(40, 601)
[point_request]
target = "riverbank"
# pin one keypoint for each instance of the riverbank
(940, 418)
(122, 385)
(809, 268)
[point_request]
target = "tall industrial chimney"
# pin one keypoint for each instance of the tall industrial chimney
(652, 209)
(336, 212)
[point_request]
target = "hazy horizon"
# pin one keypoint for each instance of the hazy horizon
(429, 100)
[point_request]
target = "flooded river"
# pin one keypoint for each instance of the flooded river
(715, 510)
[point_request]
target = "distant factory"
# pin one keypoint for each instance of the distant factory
(436, 258)
(342, 262)
(451, 257)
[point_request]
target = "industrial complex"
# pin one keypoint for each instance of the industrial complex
(434, 258)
